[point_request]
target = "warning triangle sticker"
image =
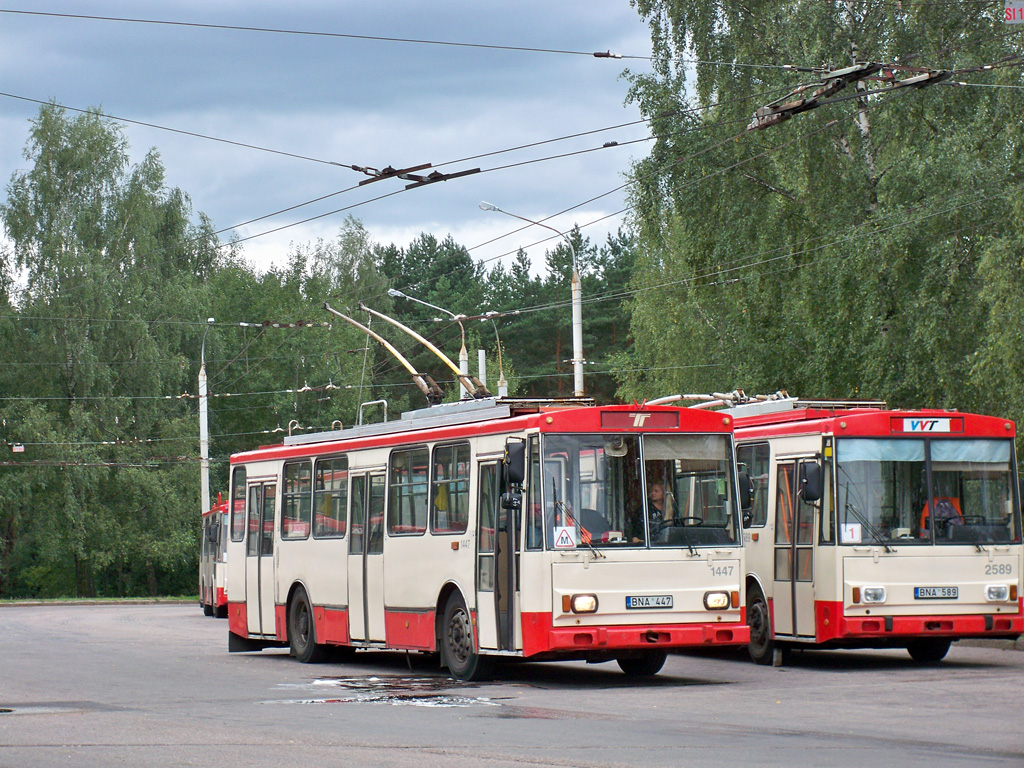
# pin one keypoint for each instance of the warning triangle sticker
(564, 538)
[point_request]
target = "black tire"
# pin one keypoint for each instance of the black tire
(207, 609)
(645, 665)
(928, 650)
(762, 642)
(458, 647)
(221, 612)
(302, 630)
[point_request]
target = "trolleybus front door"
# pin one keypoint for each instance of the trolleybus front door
(366, 559)
(497, 547)
(259, 561)
(793, 601)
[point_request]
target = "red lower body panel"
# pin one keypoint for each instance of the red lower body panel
(831, 625)
(331, 625)
(238, 621)
(409, 630)
(540, 636)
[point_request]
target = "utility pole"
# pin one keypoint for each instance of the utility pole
(577, 299)
(204, 427)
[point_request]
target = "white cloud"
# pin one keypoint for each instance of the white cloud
(350, 101)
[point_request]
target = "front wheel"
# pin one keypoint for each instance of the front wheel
(302, 631)
(458, 646)
(929, 650)
(645, 665)
(762, 642)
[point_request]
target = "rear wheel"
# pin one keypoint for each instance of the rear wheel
(929, 650)
(762, 642)
(458, 645)
(645, 665)
(207, 609)
(302, 630)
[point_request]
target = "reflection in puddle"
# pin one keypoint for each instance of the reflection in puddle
(399, 691)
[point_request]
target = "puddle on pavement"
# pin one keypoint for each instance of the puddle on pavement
(395, 690)
(44, 709)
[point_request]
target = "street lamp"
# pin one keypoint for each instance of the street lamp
(204, 426)
(577, 299)
(463, 354)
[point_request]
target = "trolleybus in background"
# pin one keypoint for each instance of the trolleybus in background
(212, 563)
(492, 528)
(878, 528)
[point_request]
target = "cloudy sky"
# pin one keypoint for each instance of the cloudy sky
(332, 98)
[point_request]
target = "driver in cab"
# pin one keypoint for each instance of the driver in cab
(658, 512)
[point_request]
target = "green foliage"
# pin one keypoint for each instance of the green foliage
(864, 249)
(109, 255)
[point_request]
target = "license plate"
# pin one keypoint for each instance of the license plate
(648, 601)
(936, 593)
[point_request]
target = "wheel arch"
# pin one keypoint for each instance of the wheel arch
(753, 582)
(292, 590)
(447, 590)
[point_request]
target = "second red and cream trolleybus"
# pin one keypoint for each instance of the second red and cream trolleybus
(493, 528)
(873, 527)
(212, 564)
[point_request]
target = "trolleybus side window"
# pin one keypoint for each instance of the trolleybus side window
(296, 500)
(330, 497)
(355, 540)
(827, 505)
(238, 504)
(261, 520)
(407, 501)
(488, 493)
(449, 491)
(756, 459)
(534, 506)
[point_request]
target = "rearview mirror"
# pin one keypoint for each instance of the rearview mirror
(810, 481)
(514, 462)
(746, 490)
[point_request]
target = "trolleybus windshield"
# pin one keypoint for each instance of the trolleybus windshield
(925, 491)
(599, 491)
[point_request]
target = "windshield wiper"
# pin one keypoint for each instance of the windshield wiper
(585, 536)
(870, 528)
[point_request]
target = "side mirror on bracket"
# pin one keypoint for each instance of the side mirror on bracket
(746, 491)
(514, 462)
(811, 487)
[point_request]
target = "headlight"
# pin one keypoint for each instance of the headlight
(583, 604)
(997, 593)
(716, 601)
(873, 594)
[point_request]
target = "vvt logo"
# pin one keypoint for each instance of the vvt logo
(926, 425)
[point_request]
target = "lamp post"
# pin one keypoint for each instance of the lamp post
(464, 393)
(577, 299)
(204, 426)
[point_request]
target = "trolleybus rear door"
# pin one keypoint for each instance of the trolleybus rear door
(793, 602)
(259, 561)
(366, 560)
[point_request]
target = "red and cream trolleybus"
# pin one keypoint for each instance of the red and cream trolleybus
(493, 528)
(873, 527)
(212, 560)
